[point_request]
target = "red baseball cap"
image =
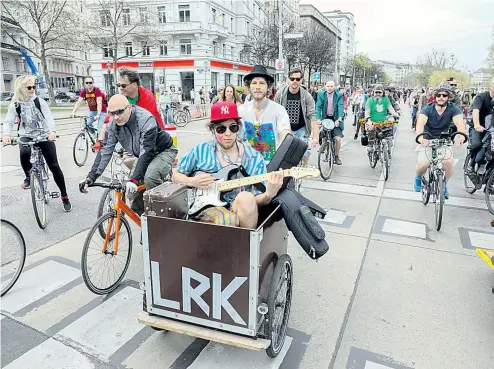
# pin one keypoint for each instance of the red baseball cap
(224, 110)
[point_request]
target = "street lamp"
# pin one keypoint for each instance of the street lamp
(110, 84)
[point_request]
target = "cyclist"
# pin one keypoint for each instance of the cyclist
(376, 111)
(330, 106)
(226, 149)
(266, 123)
(137, 130)
(96, 102)
(434, 119)
(426, 98)
(481, 108)
(35, 120)
(301, 109)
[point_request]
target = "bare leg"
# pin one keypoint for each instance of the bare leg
(246, 209)
(338, 145)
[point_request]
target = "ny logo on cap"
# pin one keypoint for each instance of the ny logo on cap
(224, 110)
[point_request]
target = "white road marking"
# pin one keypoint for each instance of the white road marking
(405, 228)
(51, 354)
(108, 327)
(38, 282)
(334, 216)
(339, 187)
(481, 240)
(373, 365)
(216, 355)
(9, 168)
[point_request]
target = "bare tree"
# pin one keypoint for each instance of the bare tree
(45, 23)
(490, 55)
(114, 22)
(438, 59)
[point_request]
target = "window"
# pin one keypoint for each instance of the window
(224, 51)
(228, 78)
(163, 48)
(128, 48)
(213, 15)
(107, 51)
(231, 25)
(19, 65)
(223, 20)
(6, 63)
(145, 48)
(126, 17)
(248, 28)
(76, 70)
(105, 18)
(143, 13)
(186, 46)
(184, 13)
(161, 14)
(215, 48)
(233, 52)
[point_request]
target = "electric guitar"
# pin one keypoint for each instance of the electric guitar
(207, 197)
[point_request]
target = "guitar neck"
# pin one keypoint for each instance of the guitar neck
(235, 183)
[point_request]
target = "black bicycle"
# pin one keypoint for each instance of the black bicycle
(13, 255)
(327, 151)
(80, 150)
(434, 181)
(379, 145)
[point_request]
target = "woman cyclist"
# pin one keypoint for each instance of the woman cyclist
(35, 120)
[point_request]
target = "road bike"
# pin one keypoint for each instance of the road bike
(39, 179)
(327, 150)
(80, 149)
(380, 142)
(111, 250)
(489, 193)
(13, 255)
(181, 114)
(434, 181)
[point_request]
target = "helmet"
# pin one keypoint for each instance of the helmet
(445, 88)
(378, 88)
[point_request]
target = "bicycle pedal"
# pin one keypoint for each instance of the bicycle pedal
(54, 195)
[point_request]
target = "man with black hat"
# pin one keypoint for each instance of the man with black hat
(226, 149)
(266, 122)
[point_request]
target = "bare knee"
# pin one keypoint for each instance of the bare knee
(245, 202)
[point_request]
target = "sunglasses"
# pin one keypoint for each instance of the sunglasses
(118, 112)
(89, 83)
(453, 85)
(123, 85)
(234, 128)
(29, 88)
(295, 79)
(378, 92)
(442, 95)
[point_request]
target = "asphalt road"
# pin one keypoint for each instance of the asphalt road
(391, 293)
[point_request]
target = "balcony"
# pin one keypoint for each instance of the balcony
(8, 47)
(216, 29)
(181, 27)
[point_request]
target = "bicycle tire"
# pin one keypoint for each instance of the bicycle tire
(36, 183)
(470, 189)
(22, 249)
(372, 159)
(325, 149)
(489, 193)
(85, 147)
(103, 209)
(84, 265)
(385, 160)
(426, 190)
(180, 119)
(439, 200)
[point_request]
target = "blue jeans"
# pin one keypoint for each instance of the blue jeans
(302, 134)
(101, 120)
(167, 113)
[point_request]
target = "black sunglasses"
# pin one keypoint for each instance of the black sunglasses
(295, 79)
(234, 128)
(29, 88)
(442, 95)
(123, 85)
(453, 85)
(378, 92)
(89, 83)
(118, 112)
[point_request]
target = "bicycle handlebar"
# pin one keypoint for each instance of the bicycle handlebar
(16, 140)
(442, 140)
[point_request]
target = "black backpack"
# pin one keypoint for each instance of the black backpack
(36, 103)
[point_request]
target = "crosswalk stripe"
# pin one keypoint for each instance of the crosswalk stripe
(37, 283)
(109, 326)
(216, 355)
(51, 354)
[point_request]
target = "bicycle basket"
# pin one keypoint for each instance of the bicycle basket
(328, 124)
(386, 132)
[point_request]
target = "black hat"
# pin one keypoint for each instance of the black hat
(259, 71)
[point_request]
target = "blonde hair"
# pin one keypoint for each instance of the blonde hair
(19, 85)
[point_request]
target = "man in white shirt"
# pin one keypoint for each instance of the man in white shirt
(266, 122)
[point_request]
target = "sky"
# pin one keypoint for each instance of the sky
(402, 30)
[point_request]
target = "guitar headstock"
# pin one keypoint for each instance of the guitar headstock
(302, 172)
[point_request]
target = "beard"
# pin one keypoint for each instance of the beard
(443, 104)
(226, 146)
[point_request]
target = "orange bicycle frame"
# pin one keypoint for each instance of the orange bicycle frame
(121, 206)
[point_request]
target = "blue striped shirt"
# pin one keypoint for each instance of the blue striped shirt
(203, 158)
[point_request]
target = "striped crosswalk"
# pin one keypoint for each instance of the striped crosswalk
(50, 320)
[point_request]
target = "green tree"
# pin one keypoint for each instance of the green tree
(440, 76)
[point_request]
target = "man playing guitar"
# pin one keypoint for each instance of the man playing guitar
(226, 150)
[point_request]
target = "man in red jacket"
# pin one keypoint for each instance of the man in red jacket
(129, 86)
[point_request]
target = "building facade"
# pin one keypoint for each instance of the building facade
(196, 43)
(345, 22)
(308, 13)
(480, 79)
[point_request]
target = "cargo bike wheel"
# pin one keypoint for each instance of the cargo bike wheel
(279, 304)
(105, 260)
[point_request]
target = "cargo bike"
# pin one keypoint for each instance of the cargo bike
(225, 284)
